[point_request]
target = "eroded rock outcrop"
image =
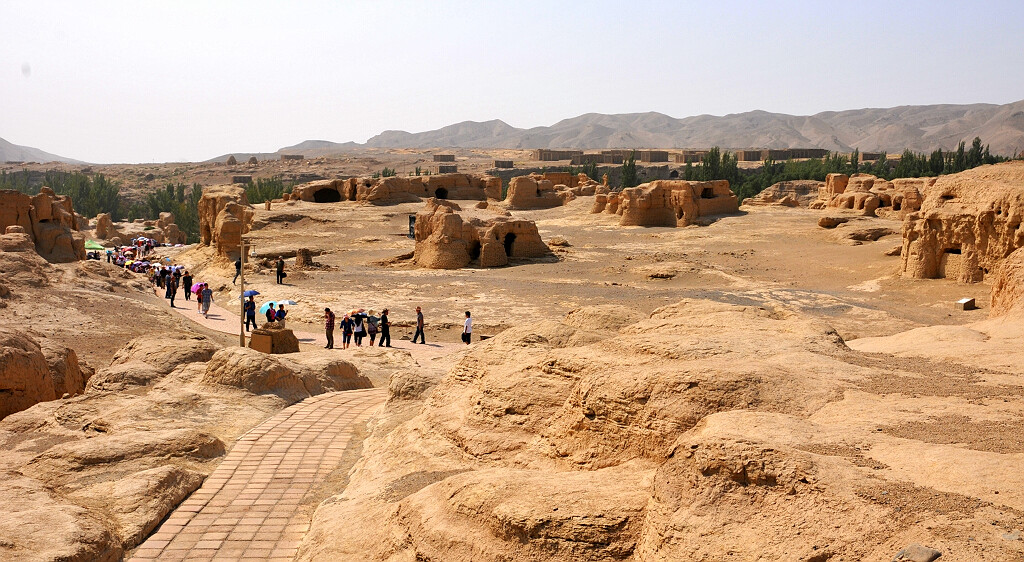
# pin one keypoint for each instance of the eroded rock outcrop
(88, 478)
(33, 372)
(542, 191)
(795, 193)
(967, 225)
(540, 444)
(47, 219)
(1008, 285)
(224, 216)
(668, 202)
(293, 379)
(447, 239)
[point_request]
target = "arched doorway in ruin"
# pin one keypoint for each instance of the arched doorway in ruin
(474, 250)
(510, 240)
(441, 193)
(674, 174)
(327, 196)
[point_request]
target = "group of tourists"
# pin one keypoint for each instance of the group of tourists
(131, 256)
(272, 314)
(172, 277)
(358, 324)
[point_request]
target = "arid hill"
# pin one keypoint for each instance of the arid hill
(10, 152)
(921, 128)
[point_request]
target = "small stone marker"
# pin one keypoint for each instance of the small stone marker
(965, 304)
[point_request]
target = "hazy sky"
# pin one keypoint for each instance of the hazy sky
(175, 80)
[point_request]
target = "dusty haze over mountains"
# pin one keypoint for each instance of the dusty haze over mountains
(111, 82)
(920, 128)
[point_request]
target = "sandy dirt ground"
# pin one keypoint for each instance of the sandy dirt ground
(763, 255)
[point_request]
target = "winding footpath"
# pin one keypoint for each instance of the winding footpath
(258, 503)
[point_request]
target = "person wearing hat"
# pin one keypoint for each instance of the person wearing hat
(371, 325)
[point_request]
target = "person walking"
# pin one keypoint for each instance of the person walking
(371, 326)
(238, 269)
(419, 327)
(207, 299)
(467, 329)
(250, 313)
(172, 288)
(271, 313)
(385, 329)
(329, 328)
(280, 314)
(280, 270)
(346, 331)
(358, 329)
(199, 297)
(186, 282)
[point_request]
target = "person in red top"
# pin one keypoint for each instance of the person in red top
(329, 327)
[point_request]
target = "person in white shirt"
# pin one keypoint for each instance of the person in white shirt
(467, 330)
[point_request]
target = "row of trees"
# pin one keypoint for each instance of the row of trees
(180, 200)
(266, 189)
(722, 165)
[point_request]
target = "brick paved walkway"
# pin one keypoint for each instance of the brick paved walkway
(259, 501)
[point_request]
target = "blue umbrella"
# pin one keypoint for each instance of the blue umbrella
(250, 293)
(266, 305)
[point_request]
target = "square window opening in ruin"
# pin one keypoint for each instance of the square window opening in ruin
(707, 193)
(947, 197)
(952, 250)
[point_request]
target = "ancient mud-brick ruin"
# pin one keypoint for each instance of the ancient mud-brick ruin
(543, 191)
(224, 216)
(163, 230)
(967, 225)
(446, 239)
(548, 155)
(396, 189)
(46, 220)
(668, 202)
(871, 196)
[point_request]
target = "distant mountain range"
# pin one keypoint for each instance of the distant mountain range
(918, 127)
(10, 152)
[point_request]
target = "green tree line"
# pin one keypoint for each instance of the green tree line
(722, 165)
(183, 202)
(266, 189)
